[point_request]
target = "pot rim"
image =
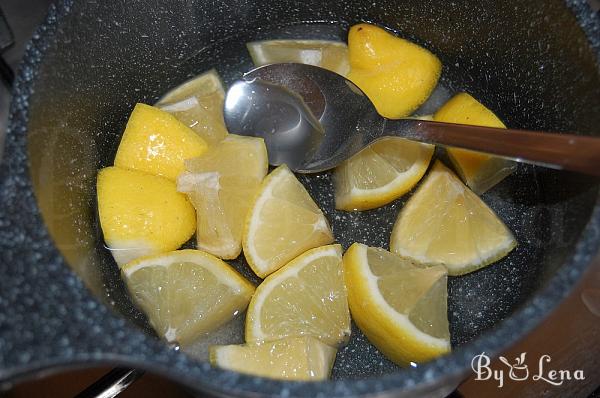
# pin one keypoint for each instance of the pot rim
(158, 357)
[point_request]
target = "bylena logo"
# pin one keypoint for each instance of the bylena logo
(519, 371)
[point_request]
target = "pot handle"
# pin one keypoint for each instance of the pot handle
(112, 384)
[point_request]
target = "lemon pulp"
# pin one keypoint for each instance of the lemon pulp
(198, 103)
(221, 185)
(401, 307)
(283, 222)
(445, 223)
(380, 173)
(186, 293)
(296, 358)
(307, 297)
(331, 55)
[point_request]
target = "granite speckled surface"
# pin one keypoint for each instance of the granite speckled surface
(49, 318)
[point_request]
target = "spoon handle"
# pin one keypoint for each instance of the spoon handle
(555, 150)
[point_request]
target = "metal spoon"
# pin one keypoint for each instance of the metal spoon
(313, 119)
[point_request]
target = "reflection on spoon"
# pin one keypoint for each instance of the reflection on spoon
(291, 132)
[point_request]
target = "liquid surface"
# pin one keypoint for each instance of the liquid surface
(475, 301)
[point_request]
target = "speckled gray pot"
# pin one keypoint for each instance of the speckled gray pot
(62, 303)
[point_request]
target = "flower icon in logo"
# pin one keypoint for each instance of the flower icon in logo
(519, 370)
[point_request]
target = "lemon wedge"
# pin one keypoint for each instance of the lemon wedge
(186, 293)
(282, 223)
(396, 74)
(307, 297)
(198, 103)
(445, 223)
(154, 141)
(141, 214)
(221, 185)
(479, 171)
(298, 358)
(400, 307)
(327, 54)
(380, 173)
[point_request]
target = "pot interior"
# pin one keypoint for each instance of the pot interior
(529, 62)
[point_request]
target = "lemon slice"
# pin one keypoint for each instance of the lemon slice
(445, 223)
(327, 54)
(186, 293)
(205, 84)
(396, 74)
(282, 223)
(380, 173)
(400, 307)
(298, 358)
(221, 185)
(307, 297)
(156, 142)
(141, 214)
(198, 103)
(479, 171)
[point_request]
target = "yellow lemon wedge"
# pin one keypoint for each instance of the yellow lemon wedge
(380, 173)
(156, 142)
(282, 223)
(141, 214)
(327, 54)
(296, 358)
(186, 293)
(198, 103)
(479, 171)
(307, 297)
(445, 223)
(221, 185)
(396, 74)
(400, 307)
